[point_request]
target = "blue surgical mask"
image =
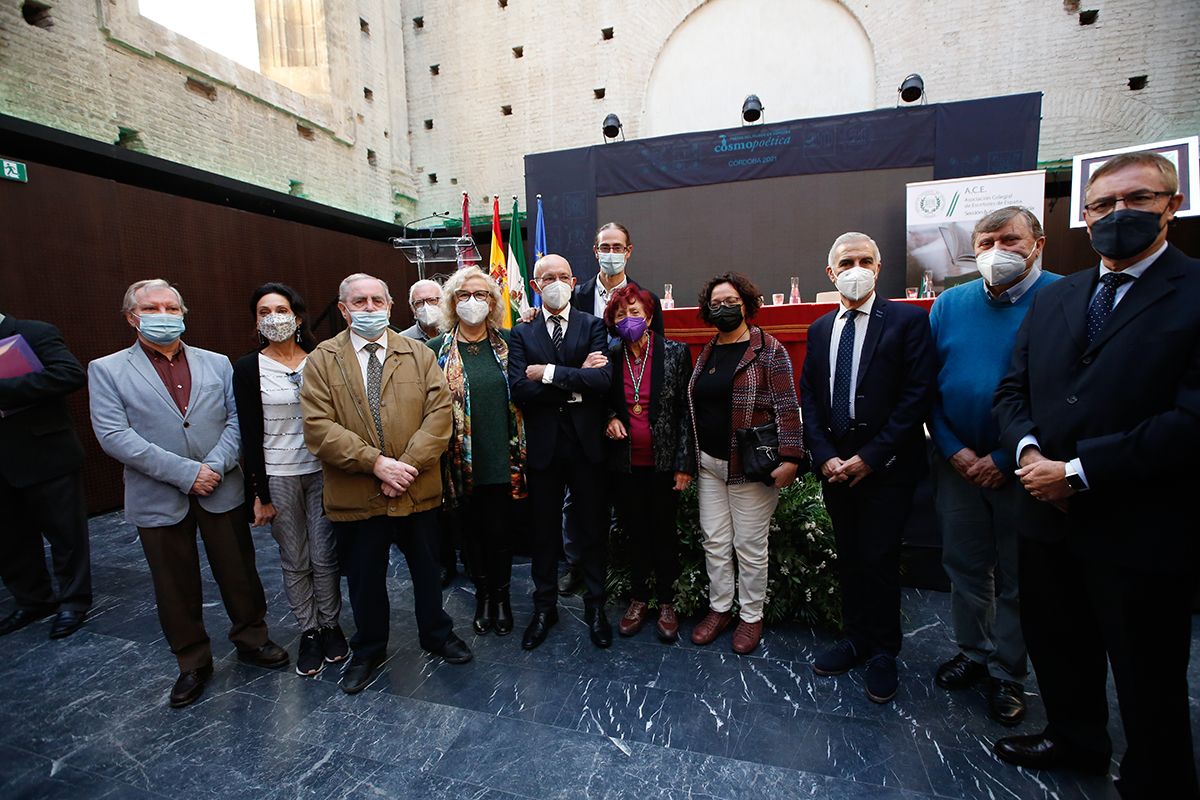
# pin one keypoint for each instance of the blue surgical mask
(160, 328)
(612, 263)
(368, 324)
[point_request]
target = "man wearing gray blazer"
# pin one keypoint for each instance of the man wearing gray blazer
(166, 411)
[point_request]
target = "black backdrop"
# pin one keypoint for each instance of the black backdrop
(769, 199)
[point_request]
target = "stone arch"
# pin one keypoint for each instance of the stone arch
(803, 58)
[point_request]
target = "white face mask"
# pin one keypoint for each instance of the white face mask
(472, 311)
(556, 295)
(999, 267)
(277, 327)
(855, 283)
(612, 263)
(427, 316)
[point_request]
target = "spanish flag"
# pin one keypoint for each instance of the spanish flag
(498, 269)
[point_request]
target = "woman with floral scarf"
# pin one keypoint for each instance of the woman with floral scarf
(485, 460)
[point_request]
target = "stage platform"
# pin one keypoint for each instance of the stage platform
(86, 717)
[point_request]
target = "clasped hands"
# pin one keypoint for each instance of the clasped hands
(594, 359)
(394, 476)
(976, 469)
(206, 481)
(1046, 480)
(853, 469)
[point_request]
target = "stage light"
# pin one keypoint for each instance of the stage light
(612, 127)
(752, 109)
(912, 89)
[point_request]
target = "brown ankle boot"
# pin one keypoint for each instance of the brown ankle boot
(635, 617)
(710, 627)
(668, 623)
(746, 636)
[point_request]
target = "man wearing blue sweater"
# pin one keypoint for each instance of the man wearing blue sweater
(974, 327)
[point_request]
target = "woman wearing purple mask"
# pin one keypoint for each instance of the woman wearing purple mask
(650, 453)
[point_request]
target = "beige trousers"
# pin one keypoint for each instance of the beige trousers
(736, 520)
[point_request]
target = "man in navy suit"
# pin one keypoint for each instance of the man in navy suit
(559, 377)
(866, 389)
(1101, 408)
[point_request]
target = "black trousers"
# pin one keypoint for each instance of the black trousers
(54, 509)
(175, 569)
(868, 521)
(487, 538)
(1079, 614)
(546, 487)
(646, 503)
(363, 548)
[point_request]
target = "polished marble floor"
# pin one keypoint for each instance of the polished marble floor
(87, 717)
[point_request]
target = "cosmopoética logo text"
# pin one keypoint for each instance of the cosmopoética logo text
(752, 143)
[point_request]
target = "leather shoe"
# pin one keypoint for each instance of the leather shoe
(189, 686)
(500, 611)
(881, 678)
(22, 617)
(668, 623)
(598, 627)
(1039, 751)
(959, 673)
(1006, 702)
(269, 655)
(539, 626)
(710, 627)
(570, 581)
(837, 659)
(634, 618)
(482, 623)
(66, 623)
(746, 636)
(454, 650)
(358, 672)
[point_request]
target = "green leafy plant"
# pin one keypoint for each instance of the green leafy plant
(802, 577)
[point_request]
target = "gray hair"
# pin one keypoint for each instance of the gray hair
(412, 290)
(852, 236)
(1143, 158)
(448, 307)
(997, 219)
(344, 287)
(130, 302)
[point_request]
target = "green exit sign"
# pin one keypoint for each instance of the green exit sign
(14, 171)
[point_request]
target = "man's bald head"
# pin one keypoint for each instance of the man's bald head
(553, 263)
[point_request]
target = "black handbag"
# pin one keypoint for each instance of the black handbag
(759, 448)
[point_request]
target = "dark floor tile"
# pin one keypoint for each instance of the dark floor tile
(976, 774)
(498, 689)
(863, 752)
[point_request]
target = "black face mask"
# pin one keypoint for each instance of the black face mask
(1125, 232)
(725, 318)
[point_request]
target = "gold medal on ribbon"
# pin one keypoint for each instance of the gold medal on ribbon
(637, 409)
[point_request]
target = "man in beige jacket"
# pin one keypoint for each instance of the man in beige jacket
(377, 415)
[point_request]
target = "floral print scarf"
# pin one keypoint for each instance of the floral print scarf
(457, 461)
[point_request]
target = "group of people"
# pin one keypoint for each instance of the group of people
(1063, 415)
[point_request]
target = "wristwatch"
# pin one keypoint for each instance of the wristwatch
(1073, 479)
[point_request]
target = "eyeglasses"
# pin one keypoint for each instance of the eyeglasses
(612, 248)
(481, 295)
(546, 280)
(728, 302)
(1139, 200)
(428, 301)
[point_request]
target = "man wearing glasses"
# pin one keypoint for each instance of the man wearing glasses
(1101, 409)
(423, 297)
(559, 377)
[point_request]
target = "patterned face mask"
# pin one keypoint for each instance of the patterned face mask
(277, 327)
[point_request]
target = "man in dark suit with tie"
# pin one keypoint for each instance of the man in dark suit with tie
(41, 493)
(559, 377)
(866, 389)
(1101, 407)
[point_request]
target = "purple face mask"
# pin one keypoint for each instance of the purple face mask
(631, 328)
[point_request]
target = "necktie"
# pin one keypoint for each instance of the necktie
(841, 376)
(557, 335)
(1102, 303)
(374, 385)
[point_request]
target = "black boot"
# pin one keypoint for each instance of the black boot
(500, 612)
(482, 622)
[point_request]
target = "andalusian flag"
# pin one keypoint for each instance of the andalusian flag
(518, 277)
(498, 270)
